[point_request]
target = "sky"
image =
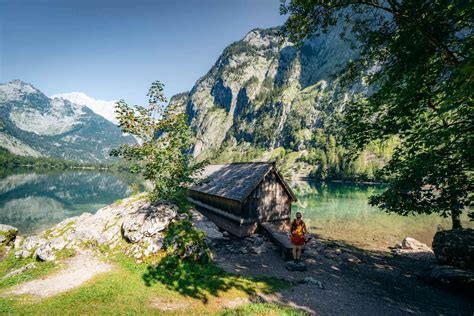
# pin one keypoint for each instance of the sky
(113, 50)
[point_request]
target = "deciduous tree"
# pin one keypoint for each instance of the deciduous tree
(163, 154)
(415, 58)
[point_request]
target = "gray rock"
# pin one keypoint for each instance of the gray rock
(45, 253)
(140, 221)
(413, 244)
(413, 249)
(455, 247)
(350, 258)
(311, 280)
(153, 245)
(244, 251)
(58, 244)
(30, 244)
(296, 266)
(7, 233)
(258, 249)
(147, 221)
(18, 242)
(202, 223)
(21, 270)
(451, 277)
(110, 235)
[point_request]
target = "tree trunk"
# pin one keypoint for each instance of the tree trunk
(456, 219)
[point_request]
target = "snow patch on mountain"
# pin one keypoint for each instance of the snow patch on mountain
(103, 108)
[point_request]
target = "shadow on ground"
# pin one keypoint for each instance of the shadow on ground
(356, 281)
(200, 281)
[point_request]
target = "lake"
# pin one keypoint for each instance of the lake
(33, 201)
(341, 211)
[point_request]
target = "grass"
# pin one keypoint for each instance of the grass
(9, 263)
(125, 290)
(262, 309)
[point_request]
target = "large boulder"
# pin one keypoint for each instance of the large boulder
(455, 247)
(135, 220)
(414, 249)
(147, 221)
(29, 246)
(7, 234)
(450, 277)
(413, 244)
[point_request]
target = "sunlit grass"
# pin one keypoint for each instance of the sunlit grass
(124, 291)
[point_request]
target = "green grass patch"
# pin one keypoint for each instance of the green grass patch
(125, 290)
(262, 309)
(10, 263)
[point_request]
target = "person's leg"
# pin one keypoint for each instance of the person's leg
(295, 250)
(298, 252)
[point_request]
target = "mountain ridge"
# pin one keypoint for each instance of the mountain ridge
(267, 99)
(258, 76)
(103, 108)
(34, 125)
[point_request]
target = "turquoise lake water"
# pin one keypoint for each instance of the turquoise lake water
(341, 212)
(33, 201)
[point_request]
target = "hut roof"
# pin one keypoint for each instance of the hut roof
(236, 181)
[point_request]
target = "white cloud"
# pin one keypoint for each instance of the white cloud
(103, 108)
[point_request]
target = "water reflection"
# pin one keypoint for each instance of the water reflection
(341, 211)
(33, 201)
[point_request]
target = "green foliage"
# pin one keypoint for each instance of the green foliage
(184, 242)
(163, 156)
(416, 60)
(11, 161)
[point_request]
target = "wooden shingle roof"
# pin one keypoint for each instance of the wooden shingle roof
(235, 181)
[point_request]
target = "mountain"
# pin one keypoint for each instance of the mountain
(31, 124)
(266, 94)
(267, 99)
(105, 109)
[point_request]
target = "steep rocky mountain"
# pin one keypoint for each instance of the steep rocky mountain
(262, 93)
(31, 124)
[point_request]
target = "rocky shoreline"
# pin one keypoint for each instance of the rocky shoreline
(137, 227)
(134, 221)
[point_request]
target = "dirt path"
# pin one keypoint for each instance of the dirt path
(78, 270)
(355, 281)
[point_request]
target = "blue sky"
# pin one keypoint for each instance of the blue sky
(115, 49)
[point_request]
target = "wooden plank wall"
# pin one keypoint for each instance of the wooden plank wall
(231, 206)
(269, 201)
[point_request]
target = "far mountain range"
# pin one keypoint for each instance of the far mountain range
(32, 124)
(264, 98)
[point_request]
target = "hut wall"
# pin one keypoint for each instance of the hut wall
(269, 201)
(230, 206)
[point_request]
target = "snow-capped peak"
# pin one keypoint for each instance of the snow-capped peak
(103, 108)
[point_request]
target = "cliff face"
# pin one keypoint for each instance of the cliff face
(267, 93)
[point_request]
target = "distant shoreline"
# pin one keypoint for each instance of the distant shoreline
(343, 181)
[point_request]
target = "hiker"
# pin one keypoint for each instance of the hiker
(297, 235)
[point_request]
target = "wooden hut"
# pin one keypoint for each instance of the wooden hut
(239, 196)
